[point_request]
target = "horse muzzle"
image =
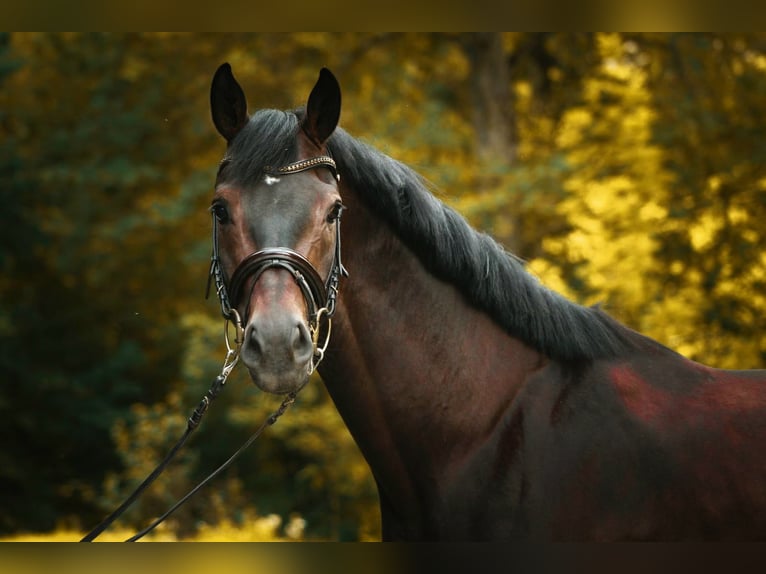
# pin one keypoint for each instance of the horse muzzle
(278, 350)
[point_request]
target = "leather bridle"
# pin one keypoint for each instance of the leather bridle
(320, 296)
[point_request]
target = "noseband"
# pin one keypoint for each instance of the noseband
(320, 296)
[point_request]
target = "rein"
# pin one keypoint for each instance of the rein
(320, 300)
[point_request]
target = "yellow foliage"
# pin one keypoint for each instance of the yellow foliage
(254, 529)
(702, 231)
(619, 203)
(615, 195)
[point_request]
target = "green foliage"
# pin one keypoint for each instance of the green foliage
(638, 178)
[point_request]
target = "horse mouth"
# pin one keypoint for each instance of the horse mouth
(277, 379)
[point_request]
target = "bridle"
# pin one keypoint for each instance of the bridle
(320, 296)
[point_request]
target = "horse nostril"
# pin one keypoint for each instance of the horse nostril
(255, 343)
(302, 345)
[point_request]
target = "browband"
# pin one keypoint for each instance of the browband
(305, 164)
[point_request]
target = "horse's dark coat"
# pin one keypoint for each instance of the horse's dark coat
(490, 407)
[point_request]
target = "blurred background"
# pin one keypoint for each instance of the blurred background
(627, 169)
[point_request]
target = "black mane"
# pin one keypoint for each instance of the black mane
(490, 278)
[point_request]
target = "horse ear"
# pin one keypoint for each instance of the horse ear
(323, 108)
(227, 103)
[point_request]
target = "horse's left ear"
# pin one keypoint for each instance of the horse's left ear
(323, 108)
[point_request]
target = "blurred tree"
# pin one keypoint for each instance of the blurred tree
(91, 325)
(664, 186)
(709, 95)
(614, 196)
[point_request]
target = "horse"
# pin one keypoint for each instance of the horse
(487, 406)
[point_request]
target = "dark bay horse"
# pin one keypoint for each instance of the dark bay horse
(487, 406)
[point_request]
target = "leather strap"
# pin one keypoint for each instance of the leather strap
(303, 272)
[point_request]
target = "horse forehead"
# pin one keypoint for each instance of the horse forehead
(279, 208)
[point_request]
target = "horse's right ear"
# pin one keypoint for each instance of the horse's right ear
(227, 103)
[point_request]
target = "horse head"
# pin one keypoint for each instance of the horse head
(276, 216)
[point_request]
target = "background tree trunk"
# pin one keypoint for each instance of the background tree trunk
(496, 137)
(493, 118)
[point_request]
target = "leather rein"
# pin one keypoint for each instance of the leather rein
(320, 296)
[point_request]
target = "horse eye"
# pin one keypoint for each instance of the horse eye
(220, 212)
(335, 212)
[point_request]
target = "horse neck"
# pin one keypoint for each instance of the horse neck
(420, 377)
